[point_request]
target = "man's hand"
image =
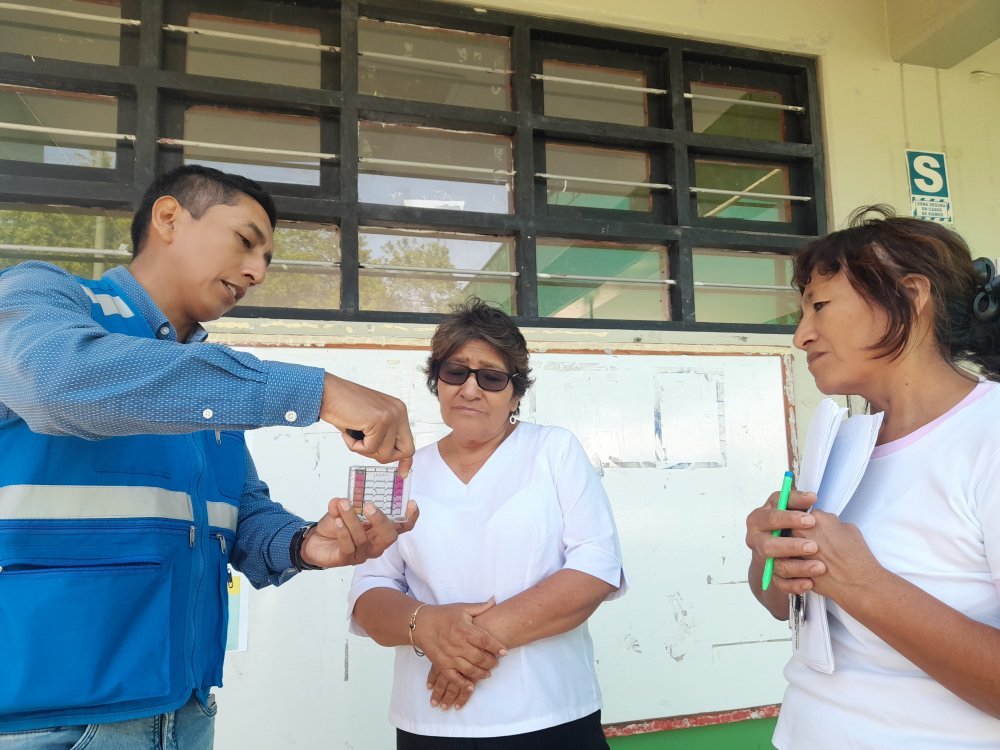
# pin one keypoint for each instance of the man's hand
(382, 419)
(341, 539)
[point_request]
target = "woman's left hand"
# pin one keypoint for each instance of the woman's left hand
(449, 688)
(845, 553)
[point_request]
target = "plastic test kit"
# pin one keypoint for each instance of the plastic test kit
(381, 486)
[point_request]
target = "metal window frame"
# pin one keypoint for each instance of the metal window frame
(154, 89)
(194, 31)
(22, 8)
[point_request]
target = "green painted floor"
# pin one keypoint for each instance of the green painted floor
(742, 735)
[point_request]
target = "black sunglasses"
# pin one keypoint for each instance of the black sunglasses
(453, 373)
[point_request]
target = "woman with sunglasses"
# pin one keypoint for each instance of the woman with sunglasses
(487, 600)
(911, 567)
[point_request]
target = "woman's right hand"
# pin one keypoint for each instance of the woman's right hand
(450, 639)
(792, 574)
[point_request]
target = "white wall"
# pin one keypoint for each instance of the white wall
(687, 639)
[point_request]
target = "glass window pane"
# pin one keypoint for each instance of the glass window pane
(765, 179)
(767, 297)
(429, 168)
(70, 239)
(254, 60)
(46, 35)
(215, 125)
(604, 296)
(58, 109)
(427, 64)
(302, 274)
(425, 263)
(734, 119)
(583, 101)
(601, 164)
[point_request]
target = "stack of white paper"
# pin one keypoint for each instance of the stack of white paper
(819, 442)
(835, 459)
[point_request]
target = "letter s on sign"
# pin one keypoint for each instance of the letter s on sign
(928, 167)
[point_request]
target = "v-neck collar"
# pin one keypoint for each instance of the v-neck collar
(486, 464)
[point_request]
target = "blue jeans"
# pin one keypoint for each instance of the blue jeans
(191, 727)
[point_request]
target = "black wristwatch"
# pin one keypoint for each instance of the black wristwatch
(295, 549)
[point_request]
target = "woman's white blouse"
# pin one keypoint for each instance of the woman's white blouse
(928, 506)
(534, 508)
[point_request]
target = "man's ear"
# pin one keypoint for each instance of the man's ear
(164, 214)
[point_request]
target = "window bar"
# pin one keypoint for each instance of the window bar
(305, 266)
(247, 149)
(604, 181)
(437, 271)
(748, 194)
(727, 203)
(611, 279)
(249, 38)
(601, 84)
(745, 102)
(754, 287)
(429, 165)
(66, 131)
(13, 251)
(433, 63)
(71, 14)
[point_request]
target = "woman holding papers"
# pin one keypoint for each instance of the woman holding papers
(911, 566)
(517, 548)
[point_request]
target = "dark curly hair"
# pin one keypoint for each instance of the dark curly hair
(877, 250)
(475, 320)
(197, 189)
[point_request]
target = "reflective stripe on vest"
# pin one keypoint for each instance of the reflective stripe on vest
(24, 502)
(222, 515)
(32, 501)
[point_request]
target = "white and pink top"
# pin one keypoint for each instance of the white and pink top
(929, 509)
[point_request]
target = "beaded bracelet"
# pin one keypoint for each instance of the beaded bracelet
(413, 624)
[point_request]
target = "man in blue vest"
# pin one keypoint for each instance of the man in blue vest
(125, 484)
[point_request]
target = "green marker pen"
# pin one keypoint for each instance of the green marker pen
(786, 490)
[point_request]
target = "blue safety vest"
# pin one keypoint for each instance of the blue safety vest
(113, 563)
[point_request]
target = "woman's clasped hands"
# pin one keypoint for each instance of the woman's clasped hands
(820, 552)
(461, 653)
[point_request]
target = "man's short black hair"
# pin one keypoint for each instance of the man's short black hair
(197, 189)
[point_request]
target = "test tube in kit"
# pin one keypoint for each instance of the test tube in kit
(380, 485)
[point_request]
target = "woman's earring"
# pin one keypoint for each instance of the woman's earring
(512, 420)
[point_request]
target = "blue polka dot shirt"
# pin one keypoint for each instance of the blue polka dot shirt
(63, 374)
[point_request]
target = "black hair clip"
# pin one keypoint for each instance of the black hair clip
(985, 306)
